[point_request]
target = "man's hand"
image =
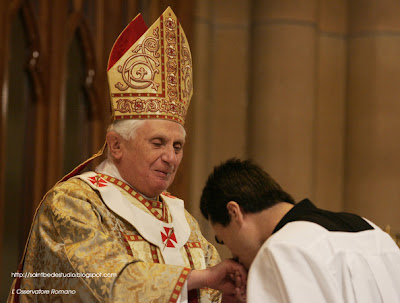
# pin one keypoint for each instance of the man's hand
(239, 296)
(228, 276)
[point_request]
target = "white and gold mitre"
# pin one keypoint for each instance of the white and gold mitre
(150, 71)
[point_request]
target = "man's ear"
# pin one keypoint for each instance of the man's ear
(114, 141)
(235, 212)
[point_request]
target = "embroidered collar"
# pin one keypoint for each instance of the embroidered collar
(149, 204)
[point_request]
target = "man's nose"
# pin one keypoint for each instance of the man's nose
(169, 155)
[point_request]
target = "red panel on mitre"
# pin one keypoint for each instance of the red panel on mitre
(126, 39)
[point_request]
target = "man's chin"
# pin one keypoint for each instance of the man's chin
(160, 184)
(160, 187)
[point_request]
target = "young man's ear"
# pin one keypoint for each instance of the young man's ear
(114, 141)
(235, 212)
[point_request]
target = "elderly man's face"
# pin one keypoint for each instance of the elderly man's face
(149, 162)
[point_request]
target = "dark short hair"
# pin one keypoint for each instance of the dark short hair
(244, 182)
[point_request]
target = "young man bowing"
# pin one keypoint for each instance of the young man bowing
(297, 252)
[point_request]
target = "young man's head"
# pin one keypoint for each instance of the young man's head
(237, 199)
(241, 181)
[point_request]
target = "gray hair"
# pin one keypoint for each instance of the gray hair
(127, 128)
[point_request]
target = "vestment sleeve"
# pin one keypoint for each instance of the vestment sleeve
(285, 273)
(74, 233)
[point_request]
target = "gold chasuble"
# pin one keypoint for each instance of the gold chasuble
(97, 255)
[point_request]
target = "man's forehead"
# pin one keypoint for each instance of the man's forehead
(163, 128)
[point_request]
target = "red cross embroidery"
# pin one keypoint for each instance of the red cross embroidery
(98, 181)
(166, 238)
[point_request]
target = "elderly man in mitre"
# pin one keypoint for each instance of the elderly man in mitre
(114, 234)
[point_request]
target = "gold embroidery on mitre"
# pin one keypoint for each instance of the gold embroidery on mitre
(153, 78)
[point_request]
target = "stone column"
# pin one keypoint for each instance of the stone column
(330, 109)
(373, 123)
(282, 86)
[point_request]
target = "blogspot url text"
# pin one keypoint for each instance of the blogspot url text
(62, 275)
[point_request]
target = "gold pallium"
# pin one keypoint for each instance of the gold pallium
(153, 78)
